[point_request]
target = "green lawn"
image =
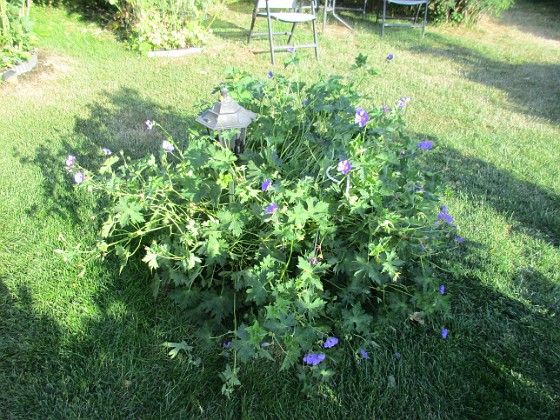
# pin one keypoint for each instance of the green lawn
(88, 344)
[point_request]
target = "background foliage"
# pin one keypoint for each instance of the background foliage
(15, 32)
(466, 11)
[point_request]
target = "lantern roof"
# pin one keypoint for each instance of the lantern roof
(226, 114)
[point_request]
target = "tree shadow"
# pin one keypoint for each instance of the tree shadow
(29, 352)
(117, 121)
(532, 88)
(537, 17)
(506, 341)
(534, 210)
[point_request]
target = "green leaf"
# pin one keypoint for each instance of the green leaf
(106, 167)
(356, 320)
(128, 212)
(177, 347)
(156, 283)
(151, 258)
(218, 306)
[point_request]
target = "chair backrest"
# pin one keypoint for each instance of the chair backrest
(277, 4)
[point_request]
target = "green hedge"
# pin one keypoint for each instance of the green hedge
(466, 11)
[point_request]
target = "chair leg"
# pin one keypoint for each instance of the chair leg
(364, 9)
(425, 19)
(292, 33)
(383, 19)
(255, 11)
(325, 7)
(417, 13)
(315, 39)
(270, 40)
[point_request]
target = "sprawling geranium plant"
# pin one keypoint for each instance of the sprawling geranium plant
(323, 230)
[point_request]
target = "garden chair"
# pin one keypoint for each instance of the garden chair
(284, 11)
(414, 19)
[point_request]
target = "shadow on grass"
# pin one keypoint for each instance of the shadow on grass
(534, 210)
(108, 360)
(29, 351)
(538, 17)
(116, 121)
(501, 344)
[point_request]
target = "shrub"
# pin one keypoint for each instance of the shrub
(323, 231)
(162, 24)
(15, 32)
(467, 11)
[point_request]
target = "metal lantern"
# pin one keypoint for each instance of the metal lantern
(226, 115)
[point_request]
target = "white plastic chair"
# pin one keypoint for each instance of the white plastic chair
(414, 19)
(284, 11)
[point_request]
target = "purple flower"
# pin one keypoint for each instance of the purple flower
(292, 49)
(106, 151)
(442, 289)
(265, 344)
(459, 239)
(271, 209)
(313, 359)
(401, 103)
(444, 333)
(364, 354)
(415, 188)
(270, 75)
(227, 345)
(305, 102)
(389, 57)
(385, 108)
(79, 177)
(361, 117)
(266, 184)
(425, 145)
(149, 124)
(344, 167)
(168, 147)
(445, 217)
(70, 160)
(444, 209)
(330, 342)
(313, 260)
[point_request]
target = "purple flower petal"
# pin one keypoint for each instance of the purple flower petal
(459, 239)
(79, 177)
(266, 184)
(70, 160)
(364, 354)
(292, 49)
(344, 167)
(227, 345)
(445, 217)
(271, 209)
(270, 75)
(313, 359)
(330, 342)
(444, 209)
(401, 103)
(442, 289)
(425, 145)
(444, 333)
(168, 147)
(106, 151)
(361, 118)
(389, 57)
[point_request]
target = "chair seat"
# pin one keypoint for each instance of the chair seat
(292, 17)
(408, 2)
